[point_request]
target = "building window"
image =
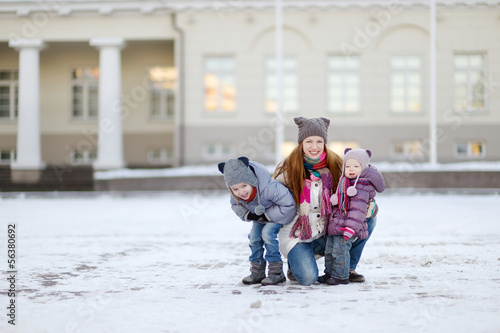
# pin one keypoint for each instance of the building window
(7, 156)
(343, 84)
(84, 90)
(162, 84)
(406, 84)
(290, 85)
(269, 151)
(470, 149)
(159, 156)
(9, 92)
(217, 151)
(82, 157)
(407, 150)
(220, 87)
(470, 94)
(340, 146)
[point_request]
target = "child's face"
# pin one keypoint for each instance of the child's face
(242, 190)
(352, 168)
(313, 146)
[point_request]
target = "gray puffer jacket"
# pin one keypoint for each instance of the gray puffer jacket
(273, 195)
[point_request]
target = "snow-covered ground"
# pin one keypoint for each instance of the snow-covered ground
(173, 262)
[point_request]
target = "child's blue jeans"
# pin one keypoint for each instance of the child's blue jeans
(337, 256)
(264, 235)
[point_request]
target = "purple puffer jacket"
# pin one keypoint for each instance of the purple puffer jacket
(369, 181)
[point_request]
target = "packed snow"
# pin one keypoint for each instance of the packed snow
(173, 262)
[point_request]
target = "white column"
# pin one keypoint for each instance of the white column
(29, 155)
(110, 137)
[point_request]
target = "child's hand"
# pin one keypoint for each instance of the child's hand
(348, 232)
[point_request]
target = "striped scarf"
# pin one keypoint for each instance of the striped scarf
(343, 198)
(343, 203)
(313, 164)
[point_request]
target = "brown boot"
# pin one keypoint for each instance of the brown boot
(355, 277)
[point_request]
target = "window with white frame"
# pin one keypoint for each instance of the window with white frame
(340, 146)
(406, 84)
(290, 85)
(407, 150)
(220, 86)
(159, 156)
(82, 156)
(470, 149)
(162, 83)
(470, 92)
(7, 156)
(287, 147)
(217, 151)
(9, 92)
(84, 91)
(343, 84)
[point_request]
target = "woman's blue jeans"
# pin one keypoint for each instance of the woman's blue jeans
(302, 262)
(264, 235)
(359, 244)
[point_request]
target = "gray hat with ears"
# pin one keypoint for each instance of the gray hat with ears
(312, 127)
(237, 170)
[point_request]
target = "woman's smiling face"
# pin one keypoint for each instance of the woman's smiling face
(313, 146)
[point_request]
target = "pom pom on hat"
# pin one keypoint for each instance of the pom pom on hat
(334, 200)
(259, 210)
(343, 190)
(351, 191)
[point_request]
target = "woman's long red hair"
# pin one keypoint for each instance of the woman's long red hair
(293, 172)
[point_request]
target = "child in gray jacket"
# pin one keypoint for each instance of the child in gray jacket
(257, 198)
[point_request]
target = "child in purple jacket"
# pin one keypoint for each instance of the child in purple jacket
(355, 191)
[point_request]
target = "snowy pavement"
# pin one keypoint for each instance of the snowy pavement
(173, 262)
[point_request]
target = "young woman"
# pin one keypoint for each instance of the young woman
(312, 172)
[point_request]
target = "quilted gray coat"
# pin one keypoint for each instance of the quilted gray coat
(272, 194)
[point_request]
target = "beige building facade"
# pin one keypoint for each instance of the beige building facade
(157, 84)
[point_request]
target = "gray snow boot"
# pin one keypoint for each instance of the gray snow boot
(258, 273)
(275, 274)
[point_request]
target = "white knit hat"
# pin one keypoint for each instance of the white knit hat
(363, 157)
(360, 155)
